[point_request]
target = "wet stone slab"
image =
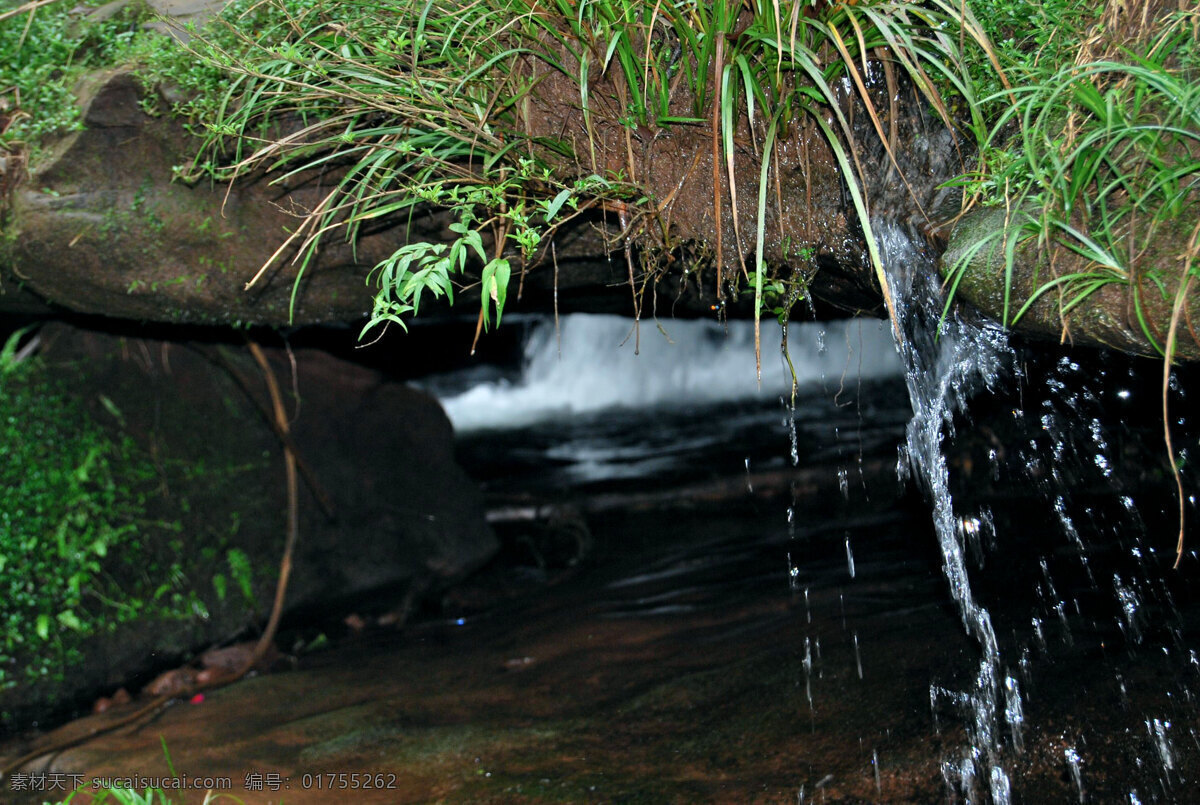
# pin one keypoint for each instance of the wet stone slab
(659, 676)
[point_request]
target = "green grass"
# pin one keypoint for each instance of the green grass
(1096, 152)
(425, 104)
(44, 51)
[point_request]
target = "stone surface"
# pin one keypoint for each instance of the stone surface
(100, 227)
(1108, 317)
(408, 520)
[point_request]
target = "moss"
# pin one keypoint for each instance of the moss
(72, 510)
(106, 547)
(44, 53)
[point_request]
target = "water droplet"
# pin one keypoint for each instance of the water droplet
(807, 663)
(1075, 767)
(1014, 714)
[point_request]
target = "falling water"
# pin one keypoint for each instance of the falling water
(1089, 568)
(942, 371)
(587, 363)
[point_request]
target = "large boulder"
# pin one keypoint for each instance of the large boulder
(405, 519)
(102, 226)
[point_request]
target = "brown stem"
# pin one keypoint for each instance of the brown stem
(306, 472)
(268, 636)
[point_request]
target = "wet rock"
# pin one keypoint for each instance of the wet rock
(408, 521)
(1108, 317)
(101, 226)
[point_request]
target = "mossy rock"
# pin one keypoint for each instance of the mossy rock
(1107, 318)
(191, 506)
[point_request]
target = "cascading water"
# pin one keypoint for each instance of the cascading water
(943, 369)
(1068, 452)
(588, 363)
(1074, 579)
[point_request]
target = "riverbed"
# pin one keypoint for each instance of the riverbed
(738, 600)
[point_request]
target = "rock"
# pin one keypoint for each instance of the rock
(101, 227)
(409, 520)
(232, 659)
(1107, 317)
(172, 683)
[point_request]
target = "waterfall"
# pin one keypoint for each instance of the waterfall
(942, 370)
(592, 362)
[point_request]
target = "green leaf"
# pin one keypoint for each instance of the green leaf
(495, 287)
(556, 203)
(69, 619)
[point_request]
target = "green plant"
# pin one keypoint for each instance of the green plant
(425, 104)
(1102, 162)
(80, 551)
(404, 142)
(61, 513)
(44, 50)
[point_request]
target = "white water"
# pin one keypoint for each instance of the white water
(590, 364)
(942, 373)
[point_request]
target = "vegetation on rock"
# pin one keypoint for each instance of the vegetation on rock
(44, 52)
(444, 105)
(72, 509)
(1095, 156)
(437, 104)
(89, 547)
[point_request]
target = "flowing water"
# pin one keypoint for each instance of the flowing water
(1063, 451)
(709, 594)
(946, 363)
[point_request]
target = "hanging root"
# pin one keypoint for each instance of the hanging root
(306, 472)
(1185, 283)
(293, 514)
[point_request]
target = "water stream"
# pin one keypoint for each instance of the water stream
(708, 594)
(946, 363)
(1060, 447)
(589, 363)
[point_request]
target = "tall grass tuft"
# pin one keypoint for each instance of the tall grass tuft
(424, 104)
(1102, 158)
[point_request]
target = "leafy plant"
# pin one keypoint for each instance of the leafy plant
(61, 513)
(412, 122)
(1103, 162)
(43, 51)
(424, 105)
(75, 533)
